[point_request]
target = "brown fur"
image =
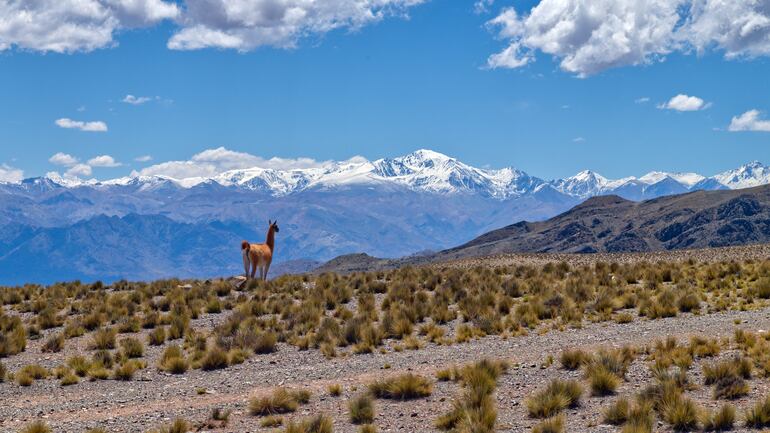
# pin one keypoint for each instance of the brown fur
(260, 255)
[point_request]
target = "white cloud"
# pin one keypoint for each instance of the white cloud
(230, 159)
(248, 24)
(749, 121)
(63, 159)
(103, 161)
(79, 170)
(143, 158)
(76, 169)
(578, 140)
(510, 58)
(180, 170)
(97, 126)
(211, 162)
(66, 26)
(10, 174)
(740, 28)
(482, 6)
(136, 100)
(589, 36)
(642, 100)
(683, 102)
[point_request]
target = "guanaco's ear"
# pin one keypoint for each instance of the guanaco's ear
(269, 222)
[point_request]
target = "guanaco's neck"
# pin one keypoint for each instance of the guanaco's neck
(270, 242)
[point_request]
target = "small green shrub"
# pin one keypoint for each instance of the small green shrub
(79, 365)
(215, 359)
(335, 390)
(54, 343)
(103, 339)
(271, 421)
(572, 359)
(617, 412)
(640, 419)
(551, 425)
(132, 347)
(157, 337)
(280, 401)
(37, 427)
(602, 381)
(368, 428)
(681, 413)
(721, 420)
(361, 409)
(557, 396)
(125, 371)
(758, 416)
(317, 424)
(266, 343)
(404, 387)
(69, 379)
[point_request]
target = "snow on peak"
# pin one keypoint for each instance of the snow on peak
(589, 176)
(686, 179)
(584, 184)
(424, 158)
(420, 161)
(153, 183)
(745, 176)
(433, 171)
(59, 180)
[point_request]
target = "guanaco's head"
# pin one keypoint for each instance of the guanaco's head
(274, 225)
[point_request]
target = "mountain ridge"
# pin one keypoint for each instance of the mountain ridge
(430, 171)
(698, 219)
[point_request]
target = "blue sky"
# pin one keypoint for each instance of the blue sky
(419, 77)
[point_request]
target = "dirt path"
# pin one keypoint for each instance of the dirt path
(154, 397)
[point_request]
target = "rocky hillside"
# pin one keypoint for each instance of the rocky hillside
(613, 224)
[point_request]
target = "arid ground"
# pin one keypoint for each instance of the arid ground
(700, 298)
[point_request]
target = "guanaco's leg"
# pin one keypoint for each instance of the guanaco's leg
(267, 268)
(253, 267)
(246, 264)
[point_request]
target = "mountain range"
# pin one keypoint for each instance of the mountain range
(147, 227)
(430, 172)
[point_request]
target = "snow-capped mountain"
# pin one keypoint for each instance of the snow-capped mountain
(746, 176)
(657, 183)
(433, 172)
(423, 170)
(146, 227)
(686, 179)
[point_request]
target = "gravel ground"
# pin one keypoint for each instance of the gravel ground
(154, 397)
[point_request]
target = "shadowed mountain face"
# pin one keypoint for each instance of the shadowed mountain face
(613, 224)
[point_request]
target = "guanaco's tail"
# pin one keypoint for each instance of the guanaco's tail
(245, 245)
